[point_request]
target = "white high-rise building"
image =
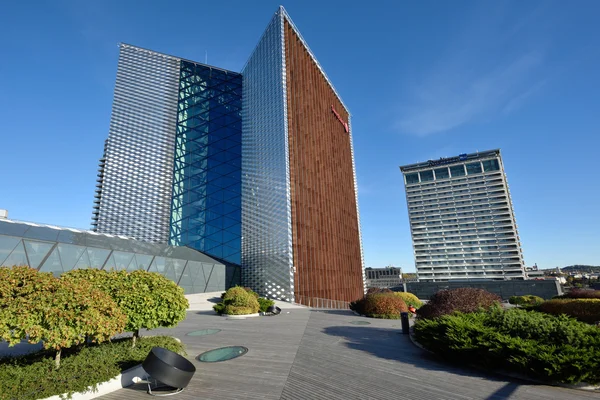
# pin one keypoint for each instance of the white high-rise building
(462, 220)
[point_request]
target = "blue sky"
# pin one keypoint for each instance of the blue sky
(422, 79)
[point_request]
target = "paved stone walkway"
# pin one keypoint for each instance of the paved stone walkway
(308, 354)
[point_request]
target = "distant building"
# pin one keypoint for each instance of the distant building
(561, 279)
(383, 277)
(462, 220)
(534, 273)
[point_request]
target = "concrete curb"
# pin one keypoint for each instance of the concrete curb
(124, 379)
(580, 386)
(243, 316)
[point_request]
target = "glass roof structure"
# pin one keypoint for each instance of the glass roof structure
(54, 249)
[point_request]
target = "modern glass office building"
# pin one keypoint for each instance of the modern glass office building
(253, 168)
(462, 220)
(135, 178)
(300, 219)
(206, 202)
(171, 169)
(54, 249)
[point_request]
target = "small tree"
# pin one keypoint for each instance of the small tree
(76, 312)
(151, 300)
(147, 298)
(60, 313)
(20, 289)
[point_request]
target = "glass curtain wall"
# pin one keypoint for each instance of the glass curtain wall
(206, 205)
(59, 250)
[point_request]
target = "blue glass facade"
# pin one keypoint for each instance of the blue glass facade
(206, 202)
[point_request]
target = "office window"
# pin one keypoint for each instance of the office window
(491, 165)
(426, 176)
(474, 168)
(457, 170)
(442, 173)
(412, 178)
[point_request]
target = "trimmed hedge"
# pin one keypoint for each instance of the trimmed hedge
(464, 300)
(542, 346)
(380, 304)
(525, 301)
(238, 301)
(410, 299)
(585, 310)
(34, 377)
(384, 305)
(580, 294)
(374, 290)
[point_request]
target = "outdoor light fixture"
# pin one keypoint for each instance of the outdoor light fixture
(274, 310)
(167, 368)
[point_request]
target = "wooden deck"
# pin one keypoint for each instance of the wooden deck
(307, 354)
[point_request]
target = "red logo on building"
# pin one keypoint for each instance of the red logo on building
(337, 115)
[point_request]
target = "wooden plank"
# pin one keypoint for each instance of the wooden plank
(309, 354)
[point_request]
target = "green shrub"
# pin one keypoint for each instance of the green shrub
(464, 300)
(34, 377)
(219, 308)
(238, 310)
(545, 347)
(525, 301)
(247, 289)
(410, 299)
(252, 292)
(60, 313)
(237, 301)
(265, 304)
(149, 299)
(585, 310)
(237, 296)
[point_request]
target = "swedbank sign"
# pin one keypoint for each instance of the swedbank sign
(339, 117)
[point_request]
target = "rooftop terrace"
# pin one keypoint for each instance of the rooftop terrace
(320, 354)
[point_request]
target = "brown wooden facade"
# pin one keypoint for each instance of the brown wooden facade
(325, 231)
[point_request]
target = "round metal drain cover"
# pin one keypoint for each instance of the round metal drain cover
(204, 332)
(222, 354)
(360, 323)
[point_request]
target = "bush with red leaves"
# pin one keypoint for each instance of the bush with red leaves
(374, 290)
(465, 300)
(384, 305)
(580, 294)
(380, 304)
(585, 310)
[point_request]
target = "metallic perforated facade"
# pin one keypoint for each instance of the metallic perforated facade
(136, 172)
(267, 259)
